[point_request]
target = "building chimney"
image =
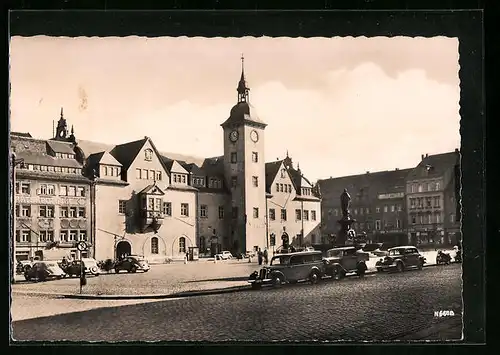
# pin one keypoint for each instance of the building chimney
(426, 155)
(397, 169)
(367, 172)
(456, 150)
(423, 156)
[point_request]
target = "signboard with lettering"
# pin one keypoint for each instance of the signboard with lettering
(38, 200)
(391, 195)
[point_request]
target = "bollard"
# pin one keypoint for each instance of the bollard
(185, 260)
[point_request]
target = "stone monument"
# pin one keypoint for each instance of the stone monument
(346, 233)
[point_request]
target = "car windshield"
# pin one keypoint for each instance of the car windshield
(51, 264)
(89, 261)
(334, 253)
(371, 247)
(396, 252)
(280, 260)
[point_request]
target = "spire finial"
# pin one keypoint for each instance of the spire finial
(72, 130)
(242, 85)
(287, 153)
(62, 114)
(242, 63)
(298, 166)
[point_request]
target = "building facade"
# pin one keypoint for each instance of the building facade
(377, 204)
(159, 205)
(431, 192)
(53, 208)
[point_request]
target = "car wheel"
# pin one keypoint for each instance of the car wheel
(337, 273)
(361, 271)
(276, 281)
(133, 270)
(26, 277)
(400, 267)
(314, 278)
(117, 270)
(420, 265)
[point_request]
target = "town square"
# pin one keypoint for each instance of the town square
(234, 208)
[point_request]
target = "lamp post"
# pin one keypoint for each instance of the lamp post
(14, 163)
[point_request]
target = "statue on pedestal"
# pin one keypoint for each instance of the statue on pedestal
(345, 202)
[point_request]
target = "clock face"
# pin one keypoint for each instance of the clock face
(254, 136)
(233, 136)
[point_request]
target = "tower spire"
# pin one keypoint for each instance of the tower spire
(62, 114)
(242, 89)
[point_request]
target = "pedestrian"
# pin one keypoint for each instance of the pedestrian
(259, 256)
(266, 256)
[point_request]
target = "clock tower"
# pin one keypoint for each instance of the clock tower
(244, 171)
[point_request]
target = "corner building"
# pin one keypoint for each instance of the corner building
(160, 204)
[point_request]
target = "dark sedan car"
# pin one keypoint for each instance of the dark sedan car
(44, 270)
(401, 259)
(132, 264)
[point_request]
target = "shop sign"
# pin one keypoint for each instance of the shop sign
(391, 195)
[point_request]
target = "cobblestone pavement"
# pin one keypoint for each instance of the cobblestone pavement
(161, 279)
(377, 307)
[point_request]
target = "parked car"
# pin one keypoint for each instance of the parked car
(44, 270)
(443, 258)
(376, 249)
(290, 268)
(75, 267)
(132, 263)
(22, 266)
(344, 260)
(226, 255)
(400, 259)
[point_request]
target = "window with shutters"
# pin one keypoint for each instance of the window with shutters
(154, 245)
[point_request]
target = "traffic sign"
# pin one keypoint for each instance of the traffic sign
(81, 246)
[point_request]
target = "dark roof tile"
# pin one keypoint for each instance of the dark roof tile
(127, 152)
(434, 165)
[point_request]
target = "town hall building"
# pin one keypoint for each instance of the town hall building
(159, 205)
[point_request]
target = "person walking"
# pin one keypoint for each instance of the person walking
(259, 256)
(266, 256)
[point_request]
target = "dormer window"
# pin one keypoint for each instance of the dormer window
(148, 155)
(179, 178)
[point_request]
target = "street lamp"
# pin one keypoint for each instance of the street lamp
(14, 163)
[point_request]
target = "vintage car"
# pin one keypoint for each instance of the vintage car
(344, 260)
(22, 266)
(75, 267)
(401, 259)
(290, 268)
(44, 270)
(132, 263)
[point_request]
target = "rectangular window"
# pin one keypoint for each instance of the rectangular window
(377, 224)
(167, 208)
(283, 214)
(234, 157)
(63, 190)
(82, 235)
(221, 212)
(25, 211)
(398, 224)
(377, 209)
(234, 212)
(46, 211)
(158, 204)
(255, 212)
(184, 209)
(23, 236)
(234, 181)
(277, 187)
(438, 218)
(81, 212)
(63, 235)
(106, 171)
(72, 211)
(51, 190)
(306, 215)
(385, 208)
(313, 215)
(255, 181)
(428, 202)
(437, 201)
(203, 211)
(43, 167)
(25, 188)
(152, 174)
(80, 191)
(151, 203)
(72, 191)
(272, 214)
(145, 174)
(452, 218)
(158, 176)
(298, 215)
(111, 171)
(393, 208)
(122, 206)
(72, 235)
(63, 212)
(413, 220)
(281, 187)
(255, 157)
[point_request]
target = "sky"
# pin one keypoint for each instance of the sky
(339, 106)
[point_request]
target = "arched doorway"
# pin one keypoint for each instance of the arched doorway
(123, 247)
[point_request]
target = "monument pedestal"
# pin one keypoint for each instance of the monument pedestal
(345, 229)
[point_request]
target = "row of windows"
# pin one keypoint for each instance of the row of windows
(156, 205)
(299, 214)
(283, 188)
(51, 168)
(155, 247)
(423, 187)
(418, 202)
(27, 236)
(430, 218)
(48, 211)
(362, 211)
(65, 156)
(145, 174)
(111, 170)
(179, 178)
(24, 188)
(234, 157)
(306, 191)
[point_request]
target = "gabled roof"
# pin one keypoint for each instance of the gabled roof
(152, 189)
(108, 159)
(177, 168)
(366, 186)
(43, 159)
(213, 166)
(272, 170)
(61, 147)
(434, 165)
(127, 152)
